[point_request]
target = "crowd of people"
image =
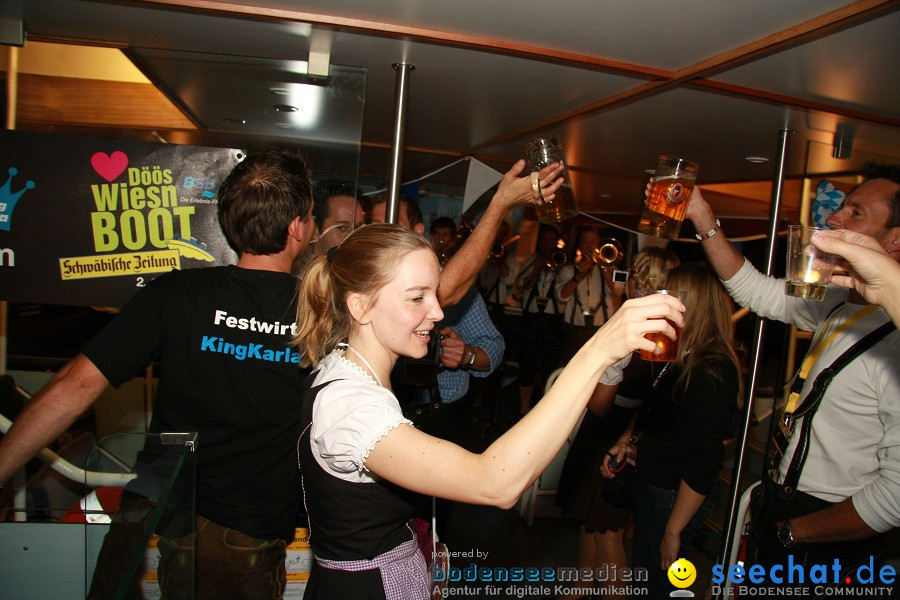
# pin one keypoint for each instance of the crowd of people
(378, 344)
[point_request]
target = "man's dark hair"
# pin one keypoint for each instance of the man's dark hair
(892, 174)
(260, 198)
(443, 223)
(323, 190)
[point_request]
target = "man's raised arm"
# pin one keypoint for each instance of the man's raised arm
(459, 274)
(722, 254)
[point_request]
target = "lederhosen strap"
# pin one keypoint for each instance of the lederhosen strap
(811, 403)
(551, 295)
(494, 291)
(579, 305)
(603, 295)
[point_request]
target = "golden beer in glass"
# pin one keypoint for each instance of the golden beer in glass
(665, 206)
(667, 346)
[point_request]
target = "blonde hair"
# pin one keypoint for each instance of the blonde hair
(363, 263)
(708, 326)
(651, 267)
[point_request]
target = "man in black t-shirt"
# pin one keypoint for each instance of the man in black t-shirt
(222, 339)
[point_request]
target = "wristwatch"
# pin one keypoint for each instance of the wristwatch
(786, 534)
(469, 358)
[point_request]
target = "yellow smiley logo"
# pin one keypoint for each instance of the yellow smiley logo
(682, 573)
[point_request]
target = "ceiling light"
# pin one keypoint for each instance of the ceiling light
(756, 160)
(302, 105)
(300, 29)
(234, 121)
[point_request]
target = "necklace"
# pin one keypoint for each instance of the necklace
(364, 361)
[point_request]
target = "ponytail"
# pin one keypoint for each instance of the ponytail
(315, 313)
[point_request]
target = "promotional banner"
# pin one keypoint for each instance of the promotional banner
(88, 221)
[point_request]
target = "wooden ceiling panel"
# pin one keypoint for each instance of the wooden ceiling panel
(96, 103)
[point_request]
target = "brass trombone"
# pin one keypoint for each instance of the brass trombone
(446, 252)
(498, 249)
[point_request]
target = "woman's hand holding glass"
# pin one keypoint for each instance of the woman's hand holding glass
(624, 332)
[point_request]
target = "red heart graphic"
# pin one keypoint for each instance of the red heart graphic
(109, 167)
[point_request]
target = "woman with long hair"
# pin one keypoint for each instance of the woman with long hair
(681, 425)
(613, 404)
(364, 467)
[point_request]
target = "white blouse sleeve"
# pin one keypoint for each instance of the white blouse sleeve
(615, 373)
(349, 417)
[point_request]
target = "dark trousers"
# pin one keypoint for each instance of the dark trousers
(540, 345)
(213, 562)
(653, 506)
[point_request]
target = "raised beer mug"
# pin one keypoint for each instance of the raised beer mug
(539, 153)
(667, 203)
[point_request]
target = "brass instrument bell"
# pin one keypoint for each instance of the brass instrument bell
(608, 253)
(446, 252)
(556, 260)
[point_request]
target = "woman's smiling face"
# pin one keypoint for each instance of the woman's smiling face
(407, 308)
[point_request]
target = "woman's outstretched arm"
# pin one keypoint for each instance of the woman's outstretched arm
(499, 475)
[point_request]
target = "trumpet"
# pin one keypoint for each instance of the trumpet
(608, 254)
(556, 260)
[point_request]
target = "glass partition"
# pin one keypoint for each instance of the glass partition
(90, 519)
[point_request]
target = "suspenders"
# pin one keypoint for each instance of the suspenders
(785, 430)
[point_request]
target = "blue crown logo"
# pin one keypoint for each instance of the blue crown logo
(8, 199)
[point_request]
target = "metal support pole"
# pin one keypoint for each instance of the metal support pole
(401, 95)
(774, 211)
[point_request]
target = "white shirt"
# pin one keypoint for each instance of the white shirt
(496, 288)
(588, 294)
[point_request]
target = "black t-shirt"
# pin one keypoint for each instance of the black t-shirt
(226, 371)
(682, 429)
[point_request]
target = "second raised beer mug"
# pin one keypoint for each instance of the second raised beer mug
(665, 206)
(539, 153)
